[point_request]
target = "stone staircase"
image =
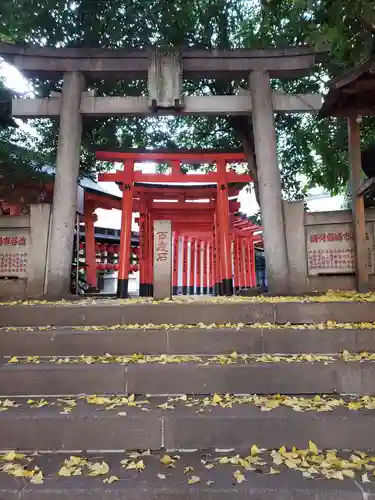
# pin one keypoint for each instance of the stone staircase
(182, 418)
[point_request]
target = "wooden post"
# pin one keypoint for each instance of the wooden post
(185, 250)
(236, 264)
(251, 259)
(175, 255)
(246, 263)
(211, 269)
(150, 255)
(224, 229)
(90, 249)
(126, 230)
(198, 261)
(192, 267)
(142, 250)
(216, 256)
(205, 268)
(358, 209)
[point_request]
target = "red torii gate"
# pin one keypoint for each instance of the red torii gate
(217, 222)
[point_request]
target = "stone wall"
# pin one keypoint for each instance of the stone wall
(321, 249)
(23, 253)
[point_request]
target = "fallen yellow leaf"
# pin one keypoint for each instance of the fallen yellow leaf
(111, 479)
(194, 479)
(254, 450)
(38, 478)
(65, 472)
(239, 476)
(313, 448)
(98, 469)
(167, 460)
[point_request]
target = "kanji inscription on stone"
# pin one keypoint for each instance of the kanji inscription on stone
(162, 259)
(330, 249)
(13, 253)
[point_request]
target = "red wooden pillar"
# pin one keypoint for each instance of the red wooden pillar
(198, 273)
(142, 249)
(245, 263)
(192, 266)
(216, 256)
(126, 227)
(175, 263)
(224, 234)
(247, 260)
(251, 254)
(236, 264)
(211, 269)
(185, 255)
(148, 249)
(205, 269)
(90, 249)
(150, 254)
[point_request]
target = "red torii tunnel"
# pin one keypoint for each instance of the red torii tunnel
(214, 244)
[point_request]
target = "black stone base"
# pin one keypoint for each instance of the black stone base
(205, 290)
(191, 290)
(198, 290)
(211, 290)
(122, 289)
(174, 290)
(227, 286)
(184, 290)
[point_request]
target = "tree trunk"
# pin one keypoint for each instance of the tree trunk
(243, 132)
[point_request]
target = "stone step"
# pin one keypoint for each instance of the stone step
(61, 426)
(71, 342)
(188, 378)
(112, 312)
(158, 481)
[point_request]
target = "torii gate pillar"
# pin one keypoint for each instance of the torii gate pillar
(269, 183)
(65, 186)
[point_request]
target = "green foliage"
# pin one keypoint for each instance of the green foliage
(311, 151)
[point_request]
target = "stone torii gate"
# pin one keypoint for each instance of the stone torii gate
(164, 73)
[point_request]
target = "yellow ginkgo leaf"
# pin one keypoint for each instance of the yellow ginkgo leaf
(365, 478)
(19, 471)
(239, 476)
(254, 450)
(98, 469)
(337, 475)
(217, 398)
(12, 455)
(307, 475)
(273, 471)
(167, 460)
(38, 478)
(13, 360)
(65, 472)
(348, 473)
(140, 465)
(313, 448)
(282, 450)
(187, 469)
(73, 460)
(111, 479)
(194, 479)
